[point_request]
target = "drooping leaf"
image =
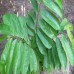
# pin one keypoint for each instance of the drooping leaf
(48, 62)
(50, 19)
(52, 6)
(55, 56)
(6, 50)
(41, 47)
(30, 31)
(34, 64)
(10, 58)
(47, 42)
(30, 22)
(68, 50)
(40, 57)
(48, 30)
(17, 58)
(25, 59)
(61, 53)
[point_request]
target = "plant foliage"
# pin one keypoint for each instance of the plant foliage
(36, 42)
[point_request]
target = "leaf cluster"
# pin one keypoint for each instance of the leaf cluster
(36, 42)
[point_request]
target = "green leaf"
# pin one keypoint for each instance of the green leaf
(39, 1)
(34, 64)
(32, 14)
(10, 58)
(68, 50)
(2, 66)
(47, 42)
(17, 58)
(55, 56)
(48, 61)
(2, 38)
(30, 22)
(24, 30)
(61, 54)
(5, 29)
(50, 19)
(25, 59)
(40, 57)
(64, 23)
(52, 6)
(12, 21)
(33, 43)
(48, 30)
(22, 21)
(60, 3)
(41, 47)
(30, 31)
(35, 5)
(6, 50)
